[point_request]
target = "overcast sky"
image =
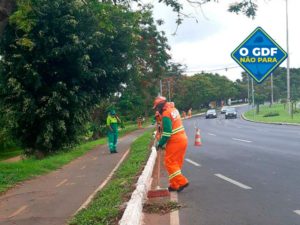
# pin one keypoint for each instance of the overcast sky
(207, 45)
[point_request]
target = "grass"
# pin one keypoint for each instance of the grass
(12, 173)
(283, 116)
(107, 207)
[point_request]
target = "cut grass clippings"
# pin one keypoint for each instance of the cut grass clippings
(282, 117)
(161, 207)
(13, 172)
(107, 207)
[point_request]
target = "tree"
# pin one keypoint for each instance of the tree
(199, 90)
(66, 57)
(259, 99)
(247, 7)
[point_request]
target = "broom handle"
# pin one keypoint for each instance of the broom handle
(158, 167)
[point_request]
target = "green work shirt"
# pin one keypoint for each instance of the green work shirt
(112, 122)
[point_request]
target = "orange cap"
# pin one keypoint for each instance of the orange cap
(158, 100)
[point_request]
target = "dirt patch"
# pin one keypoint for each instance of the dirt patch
(14, 159)
(161, 207)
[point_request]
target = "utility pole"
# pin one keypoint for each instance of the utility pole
(169, 90)
(248, 90)
(252, 93)
(160, 88)
(253, 98)
(272, 92)
(288, 61)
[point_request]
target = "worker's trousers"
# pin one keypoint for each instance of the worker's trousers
(174, 158)
(112, 140)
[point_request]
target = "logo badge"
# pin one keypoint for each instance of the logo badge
(259, 55)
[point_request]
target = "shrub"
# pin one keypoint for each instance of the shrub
(270, 114)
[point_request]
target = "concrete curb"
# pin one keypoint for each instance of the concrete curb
(134, 210)
(275, 123)
(196, 115)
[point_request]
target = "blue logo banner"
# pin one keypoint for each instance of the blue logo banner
(259, 55)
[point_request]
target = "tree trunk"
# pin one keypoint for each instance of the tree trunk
(6, 8)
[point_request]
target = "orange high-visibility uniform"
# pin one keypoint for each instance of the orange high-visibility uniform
(176, 145)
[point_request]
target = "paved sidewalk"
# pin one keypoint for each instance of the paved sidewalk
(52, 199)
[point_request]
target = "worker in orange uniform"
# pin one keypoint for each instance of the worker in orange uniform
(190, 113)
(175, 139)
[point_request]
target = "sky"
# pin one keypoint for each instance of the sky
(206, 45)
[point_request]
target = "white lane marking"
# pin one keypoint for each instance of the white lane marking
(297, 212)
(211, 134)
(82, 168)
(174, 216)
(233, 182)
(90, 198)
(18, 211)
(192, 162)
(61, 183)
(237, 139)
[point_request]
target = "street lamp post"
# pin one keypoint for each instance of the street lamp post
(248, 90)
(160, 88)
(272, 91)
(288, 61)
(253, 104)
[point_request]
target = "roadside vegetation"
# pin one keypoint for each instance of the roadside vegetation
(14, 172)
(108, 205)
(277, 113)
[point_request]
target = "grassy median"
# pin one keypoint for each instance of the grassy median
(107, 207)
(277, 113)
(14, 172)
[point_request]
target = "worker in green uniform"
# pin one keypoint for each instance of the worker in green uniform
(112, 122)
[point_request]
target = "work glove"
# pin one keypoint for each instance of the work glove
(159, 147)
(156, 144)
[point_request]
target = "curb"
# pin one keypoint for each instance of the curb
(196, 115)
(134, 209)
(274, 123)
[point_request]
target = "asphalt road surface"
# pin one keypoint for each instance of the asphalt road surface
(244, 173)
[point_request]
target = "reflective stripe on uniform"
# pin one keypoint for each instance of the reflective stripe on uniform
(178, 172)
(166, 134)
(177, 130)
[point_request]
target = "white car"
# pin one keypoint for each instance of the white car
(211, 113)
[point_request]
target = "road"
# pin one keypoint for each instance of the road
(244, 174)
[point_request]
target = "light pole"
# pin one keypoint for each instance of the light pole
(272, 92)
(253, 105)
(248, 90)
(160, 87)
(169, 90)
(288, 61)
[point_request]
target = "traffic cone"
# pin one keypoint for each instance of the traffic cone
(198, 138)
